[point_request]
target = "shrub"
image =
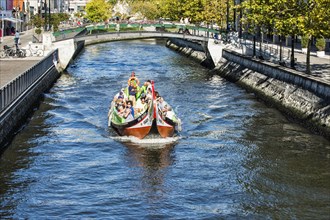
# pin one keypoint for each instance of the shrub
(37, 31)
(320, 44)
(304, 41)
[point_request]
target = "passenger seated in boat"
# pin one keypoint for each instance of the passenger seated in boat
(161, 103)
(162, 106)
(149, 95)
(141, 104)
(120, 110)
(129, 112)
(119, 100)
(170, 114)
(144, 88)
(157, 95)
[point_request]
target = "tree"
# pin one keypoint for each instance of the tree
(191, 9)
(257, 17)
(214, 11)
(314, 22)
(290, 17)
(57, 18)
(148, 9)
(171, 9)
(98, 10)
(38, 22)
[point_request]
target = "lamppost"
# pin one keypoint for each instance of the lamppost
(45, 15)
(48, 15)
(15, 14)
(2, 23)
(227, 21)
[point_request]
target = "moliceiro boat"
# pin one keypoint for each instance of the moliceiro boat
(145, 112)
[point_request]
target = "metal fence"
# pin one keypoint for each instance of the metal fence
(10, 92)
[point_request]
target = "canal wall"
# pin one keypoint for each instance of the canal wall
(304, 98)
(68, 50)
(18, 104)
(194, 50)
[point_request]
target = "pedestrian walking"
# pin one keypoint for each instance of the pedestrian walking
(16, 39)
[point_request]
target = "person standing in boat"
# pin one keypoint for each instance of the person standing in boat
(134, 78)
(132, 89)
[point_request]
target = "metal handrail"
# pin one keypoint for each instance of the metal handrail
(12, 90)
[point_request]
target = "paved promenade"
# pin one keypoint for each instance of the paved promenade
(320, 66)
(11, 67)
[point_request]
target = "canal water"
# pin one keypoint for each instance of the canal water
(235, 158)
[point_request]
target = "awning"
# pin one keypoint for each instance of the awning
(14, 20)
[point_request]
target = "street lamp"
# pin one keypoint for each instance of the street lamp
(16, 11)
(2, 23)
(48, 15)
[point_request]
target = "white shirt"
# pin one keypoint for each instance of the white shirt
(139, 105)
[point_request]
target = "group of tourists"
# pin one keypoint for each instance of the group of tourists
(133, 100)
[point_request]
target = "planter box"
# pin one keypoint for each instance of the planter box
(320, 53)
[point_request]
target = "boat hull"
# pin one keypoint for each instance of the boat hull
(139, 130)
(165, 127)
(139, 127)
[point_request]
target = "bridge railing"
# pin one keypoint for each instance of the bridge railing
(10, 92)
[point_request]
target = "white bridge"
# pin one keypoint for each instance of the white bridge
(116, 36)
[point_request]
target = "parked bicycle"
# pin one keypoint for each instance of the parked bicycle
(34, 51)
(12, 52)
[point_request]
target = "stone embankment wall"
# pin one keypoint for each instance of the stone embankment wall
(194, 50)
(295, 94)
(304, 98)
(68, 50)
(15, 115)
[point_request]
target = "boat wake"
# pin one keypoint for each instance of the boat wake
(149, 141)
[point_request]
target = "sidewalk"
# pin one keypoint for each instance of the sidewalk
(320, 66)
(11, 67)
(25, 38)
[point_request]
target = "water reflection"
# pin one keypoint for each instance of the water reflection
(20, 156)
(154, 161)
(151, 157)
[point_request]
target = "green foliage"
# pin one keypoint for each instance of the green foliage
(214, 11)
(320, 44)
(304, 41)
(37, 31)
(57, 18)
(37, 21)
(191, 9)
(112, 2)
(79, 14)
(149, 10)
(289, 17)
(98, 10)
(171, 9)
(209, 11)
